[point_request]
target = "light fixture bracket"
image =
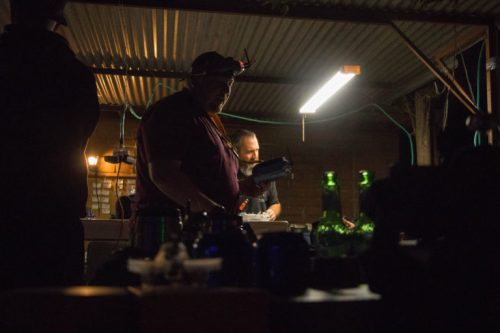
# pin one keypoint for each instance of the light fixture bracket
(120, 155)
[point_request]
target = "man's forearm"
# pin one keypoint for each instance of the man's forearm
(177, 186)
(181, 190)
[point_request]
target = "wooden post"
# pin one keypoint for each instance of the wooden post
(423, 139)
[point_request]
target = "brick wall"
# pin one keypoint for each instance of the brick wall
(346, 145)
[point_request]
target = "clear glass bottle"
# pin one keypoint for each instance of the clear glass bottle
(332, 238)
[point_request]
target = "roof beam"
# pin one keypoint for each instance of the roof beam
(241, 78)
(358, 14)
(450, 83)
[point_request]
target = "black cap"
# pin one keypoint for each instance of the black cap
(36, 10)
(212, 63)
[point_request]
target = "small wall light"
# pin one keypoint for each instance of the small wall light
(92, 160)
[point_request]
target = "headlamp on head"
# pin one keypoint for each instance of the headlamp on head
(212, 63)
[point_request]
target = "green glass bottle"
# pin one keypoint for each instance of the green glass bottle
(363, 230)
(332, 238)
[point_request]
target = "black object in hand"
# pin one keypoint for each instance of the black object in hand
(271, 170)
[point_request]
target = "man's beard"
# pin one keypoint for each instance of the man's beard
(246, 168)
(217, 106)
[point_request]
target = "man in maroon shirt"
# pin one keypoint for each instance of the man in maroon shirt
(182, 151)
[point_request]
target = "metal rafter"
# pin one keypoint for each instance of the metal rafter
(333, 12)
(450, 84)
(242, 78)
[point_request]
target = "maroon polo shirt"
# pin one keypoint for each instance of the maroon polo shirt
(177, 128)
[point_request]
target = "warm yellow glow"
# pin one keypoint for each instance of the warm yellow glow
(351, 69)
(92, 160)
(329, 88)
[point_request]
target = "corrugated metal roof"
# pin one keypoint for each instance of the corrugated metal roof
(446, 6)
(151, 39)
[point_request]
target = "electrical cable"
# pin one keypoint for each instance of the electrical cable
(258, 121)
(477, 134)
(410, 141)
(478, 77)
(130, 108)
(122, 126)
(133, 113)
(121, 17)
(285, 123)
(96, 194)
(122, 219)
(159, 84)
(122, 145)
(122, 120)
(457, 46)
(477, 138)
(294, 123)
(467, 76)
(436, 89)
(377, 106)
(445, 110)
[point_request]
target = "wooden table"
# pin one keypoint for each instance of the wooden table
(181, 309)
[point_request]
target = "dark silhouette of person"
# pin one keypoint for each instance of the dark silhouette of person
(449, 280)
(49, 109)
(465, 262)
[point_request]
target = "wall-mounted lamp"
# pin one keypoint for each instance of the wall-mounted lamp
(340, 79)
(92, 160)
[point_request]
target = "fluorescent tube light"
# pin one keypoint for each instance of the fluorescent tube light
(331, 87)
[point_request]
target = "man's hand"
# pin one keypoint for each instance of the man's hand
(274, 211)
(349, 224)
(271, 214)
